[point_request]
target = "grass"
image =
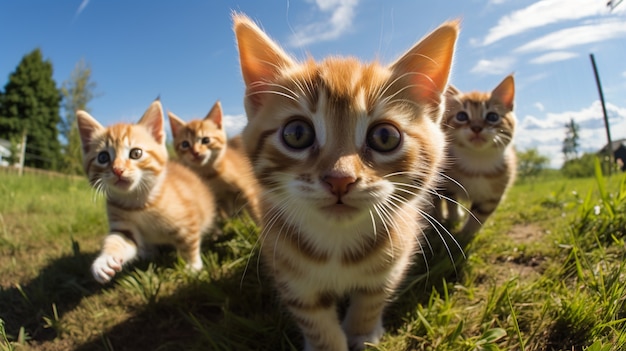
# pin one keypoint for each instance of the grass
(547, 272)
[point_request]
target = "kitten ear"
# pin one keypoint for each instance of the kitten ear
(427, 65)
(215, 114)
(505, 92)
(452, 90)
(87, 128)
(153, 120)
(176, 123)
(261, 59)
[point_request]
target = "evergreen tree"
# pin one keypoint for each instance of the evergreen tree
(571, 143)
(76, 92)
(30, 103)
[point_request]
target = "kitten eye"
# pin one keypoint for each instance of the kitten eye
(206, 140)
(492, 117)
(298, 134)
(135, 154)
(185, 145)
(103, 157)
(462, 116)
(383, 137)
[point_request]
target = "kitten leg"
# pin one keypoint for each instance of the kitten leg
(117, 250)
(252, 204)
(318, 322)
(363, 322)
(189, 248)
(480, 212)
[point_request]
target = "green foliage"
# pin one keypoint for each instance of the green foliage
(5, 344)
(579, 167)
(30, 103)
(77, 92)
(546, 272)
(530, 163)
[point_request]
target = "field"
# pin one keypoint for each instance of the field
(547, 272)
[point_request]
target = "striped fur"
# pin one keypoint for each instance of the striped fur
(150, 200)
(201, 145)
(341, 213)
(482, 160)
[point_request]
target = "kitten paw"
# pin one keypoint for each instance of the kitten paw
(194, 266)
(104, 268)
(357, 342)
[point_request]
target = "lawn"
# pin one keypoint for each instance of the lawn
(547, 272)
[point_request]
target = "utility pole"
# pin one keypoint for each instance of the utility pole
(606, 118)
(22, 154)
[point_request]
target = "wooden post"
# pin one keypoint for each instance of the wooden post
(606, 118)
(20, 170)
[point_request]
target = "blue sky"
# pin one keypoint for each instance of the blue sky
(185, 52)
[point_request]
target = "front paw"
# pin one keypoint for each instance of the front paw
(359, 342)
(194, 266)
(104, 268)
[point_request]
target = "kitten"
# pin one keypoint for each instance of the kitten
(346, 153)
(482, 163)
(202, 146)
(150, 201)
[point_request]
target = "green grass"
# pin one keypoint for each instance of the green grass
(547, 272)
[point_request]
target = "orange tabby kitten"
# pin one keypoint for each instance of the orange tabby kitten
(482, 162)
(202, 146)
(346, 153)
(150, 201)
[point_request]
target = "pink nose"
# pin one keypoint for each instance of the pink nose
(477, 129)
(118, 171)
(339, 185)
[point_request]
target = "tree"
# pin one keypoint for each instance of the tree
(30, 103)
(530, 163)
(570, 143)
(77, 91)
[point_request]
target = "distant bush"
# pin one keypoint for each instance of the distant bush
(583, 166)
(580, 167)
(530, 163)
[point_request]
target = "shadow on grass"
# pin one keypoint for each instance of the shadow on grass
(443, 261)
(222, 313)
(224, 308)
(231, 313)
(59, 288)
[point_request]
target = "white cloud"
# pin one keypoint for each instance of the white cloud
(570, 37)
(624, 74)
(81, 7)
(539, 106)
(547, 133)
(234, 124)
(543, 13)
(554, 57)
(497, 66)
(535, 77)
(340, 20)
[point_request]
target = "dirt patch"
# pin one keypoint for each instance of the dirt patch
(525, 233)
(517, 262)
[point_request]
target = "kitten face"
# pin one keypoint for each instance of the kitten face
(199, 143)
(481, 121)
(340, 149)
(123, 159)
(340, 140)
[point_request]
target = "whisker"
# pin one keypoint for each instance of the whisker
(384, 222)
